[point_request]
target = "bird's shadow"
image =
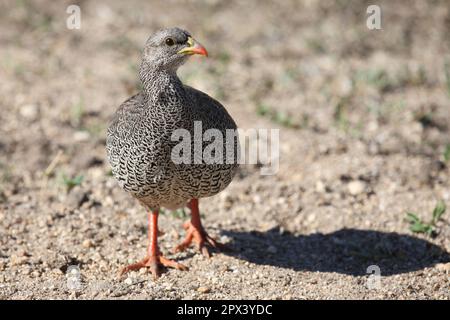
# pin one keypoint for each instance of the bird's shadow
(346, 251)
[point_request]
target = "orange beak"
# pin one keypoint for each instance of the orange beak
(194, 48)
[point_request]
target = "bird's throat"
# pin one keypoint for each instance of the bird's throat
(161, 84)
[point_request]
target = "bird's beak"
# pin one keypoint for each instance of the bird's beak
(194, 48)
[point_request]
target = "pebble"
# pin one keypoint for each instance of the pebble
(272, 249)
(81, 136)
(204, 290)
(88, 243)
(29, 111)
(143, 271)
(26, 271)
(108, 201)
(443, 267)
(169, 287)
(356, 187)
(215, 280)
(35, 274)
(320, 187)
(18, 260)
(257, 199)
(310, 218)
(128, 281)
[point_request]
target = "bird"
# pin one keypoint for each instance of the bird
(140, 145)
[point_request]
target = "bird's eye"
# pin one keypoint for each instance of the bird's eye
(170, 42)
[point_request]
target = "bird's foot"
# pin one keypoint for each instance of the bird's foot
(199, 236)
(153, 263)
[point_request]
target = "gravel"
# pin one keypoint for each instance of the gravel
(364, 124)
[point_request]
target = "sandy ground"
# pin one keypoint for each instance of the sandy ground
(364, 123)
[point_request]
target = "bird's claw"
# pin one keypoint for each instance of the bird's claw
(153, 263)
(202, 239)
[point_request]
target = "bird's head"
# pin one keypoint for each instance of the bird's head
(169, 48)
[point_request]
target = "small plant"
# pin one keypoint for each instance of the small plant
(178, 214)
(224, 57)
(417, 225)
(339, 115)
(262, 109)
(70, 183)
(447, 77)
(280, 117)
(283, 119)
(375, 77)
(447, 153)
(95, 129)
(77, 112)
(316, 45)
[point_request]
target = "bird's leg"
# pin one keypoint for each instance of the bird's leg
(154, 259)
(196, 233)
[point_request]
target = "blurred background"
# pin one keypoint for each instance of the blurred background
(364, 140)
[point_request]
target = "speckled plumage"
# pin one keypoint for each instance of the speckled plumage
(139, 141)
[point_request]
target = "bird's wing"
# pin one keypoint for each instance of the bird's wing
(122, 126)
(120, 130)
(210, 111)
(131, 143)
(208, 179)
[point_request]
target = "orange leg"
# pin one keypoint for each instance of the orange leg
(196, 233)
(154, 259)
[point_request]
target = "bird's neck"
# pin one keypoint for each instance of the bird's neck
(160, 84)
